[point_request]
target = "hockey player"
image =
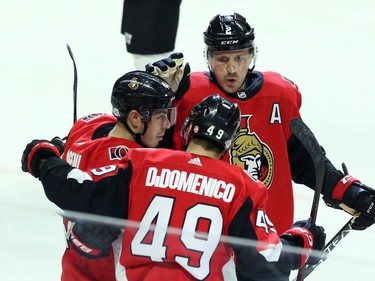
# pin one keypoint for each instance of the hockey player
(265, 146)
(165, 189)
(142, 109)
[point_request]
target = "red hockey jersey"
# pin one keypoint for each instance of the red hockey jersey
(195, 194)
(184, 203)
(261, 146)
(87, 146)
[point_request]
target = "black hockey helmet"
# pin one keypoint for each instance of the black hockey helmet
(214, 118)
(141, 91)
(229, 32)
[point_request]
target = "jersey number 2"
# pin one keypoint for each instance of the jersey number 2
(157, 217)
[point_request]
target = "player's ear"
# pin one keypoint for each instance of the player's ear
(135, 120)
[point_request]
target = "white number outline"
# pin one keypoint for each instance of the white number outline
(103, 170)
(263, 221)
(160, 211)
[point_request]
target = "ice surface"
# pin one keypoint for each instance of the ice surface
(326, 47)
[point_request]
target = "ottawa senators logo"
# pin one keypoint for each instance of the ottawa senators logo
(117, 152)
(251, 154)
(134, 84)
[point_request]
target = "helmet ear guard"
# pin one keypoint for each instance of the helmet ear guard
(185, 131)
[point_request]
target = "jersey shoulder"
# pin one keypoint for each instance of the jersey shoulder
(85, 127)
(279, 87)
(200, 87)
(276, 79)
(142, 154)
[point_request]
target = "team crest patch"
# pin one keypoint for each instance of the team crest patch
(134, 84)
(253, 155)
(117, 152)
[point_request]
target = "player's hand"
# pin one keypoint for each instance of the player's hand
(174, 72)
(309, 237)
(319, 240)
(59, 143)
(92, 240)
(361, 199)
(36, 152)
(356, 199)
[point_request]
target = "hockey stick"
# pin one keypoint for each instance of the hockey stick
(307, 138)
(337, 237)
(75, 82)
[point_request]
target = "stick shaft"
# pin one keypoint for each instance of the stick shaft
(308, 140)
(75, 83)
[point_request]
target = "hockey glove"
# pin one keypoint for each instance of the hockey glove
(59, 143)
(92, 240)
(174, 72)
(356, 199)
(37, 151)
(319, 240)
(309, 237)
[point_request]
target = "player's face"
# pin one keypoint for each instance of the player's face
(230, 68)
(160, 121)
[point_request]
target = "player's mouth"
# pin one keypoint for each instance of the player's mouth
(231, 82)
(232, 79)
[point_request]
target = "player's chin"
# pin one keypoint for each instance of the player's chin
(230, 87)
(156, 142)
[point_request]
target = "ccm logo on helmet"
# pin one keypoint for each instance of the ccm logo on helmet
(229, 42)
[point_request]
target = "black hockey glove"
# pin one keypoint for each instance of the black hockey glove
(356, 199)
(310, 237)
(37, 151)
(59, 143)
(92, 240)
(174, 72)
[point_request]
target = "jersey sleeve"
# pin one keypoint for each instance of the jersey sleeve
(261, 256)
(96, 191)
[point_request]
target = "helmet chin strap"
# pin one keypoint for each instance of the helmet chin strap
(136, 136)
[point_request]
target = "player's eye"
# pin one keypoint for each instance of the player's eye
(222, 59)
